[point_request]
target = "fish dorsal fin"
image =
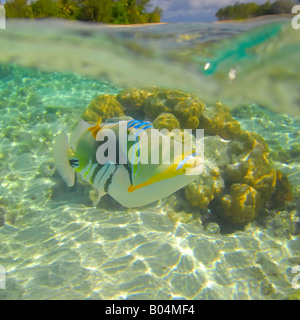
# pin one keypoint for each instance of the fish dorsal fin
(62, 154)
(95, 129)
(79, 128)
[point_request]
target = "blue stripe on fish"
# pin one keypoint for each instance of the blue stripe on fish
(147, 127)
(131, 123)
(139, 124)
(142, 124)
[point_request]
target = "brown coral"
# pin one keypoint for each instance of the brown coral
(217, 120)
(241, 204)
(200, 192)
(153, 101)
(166, 121)
(103, 107)
(133, 98)
(186, 107)
(153, 106)
(188, 112)
(255, 170)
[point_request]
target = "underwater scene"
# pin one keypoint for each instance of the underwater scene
(74, 228)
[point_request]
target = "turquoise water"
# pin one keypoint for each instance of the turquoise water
(56, 245)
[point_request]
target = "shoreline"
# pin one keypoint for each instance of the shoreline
(133, 25)
(254, 19)
(258, 19)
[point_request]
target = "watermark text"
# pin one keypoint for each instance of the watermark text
(2, 17)
(296, 278)
(296, 20)
(2, 277)
(151, 146)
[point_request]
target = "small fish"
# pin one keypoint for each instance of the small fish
(133, 173)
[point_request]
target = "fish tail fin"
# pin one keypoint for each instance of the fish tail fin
(61, 154)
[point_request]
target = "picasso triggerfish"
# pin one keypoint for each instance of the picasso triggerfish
(127, 159)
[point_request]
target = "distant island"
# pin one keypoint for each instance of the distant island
(250, 10)
(105, 11)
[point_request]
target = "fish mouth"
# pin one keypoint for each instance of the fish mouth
(194, 165)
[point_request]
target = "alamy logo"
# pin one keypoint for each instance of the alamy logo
(151, 147)
(2, 277)
(296, 20)
(2, 17)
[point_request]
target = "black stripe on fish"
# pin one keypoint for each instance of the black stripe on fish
(108, 181)
(99, 167)
(129, 170)
(108, 165)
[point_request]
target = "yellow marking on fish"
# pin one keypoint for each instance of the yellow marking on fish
(167, 174)
(70, 153)
(171, 172)
(95, 129)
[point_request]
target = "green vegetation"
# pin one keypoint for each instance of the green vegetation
(249, 10)
(106, 11)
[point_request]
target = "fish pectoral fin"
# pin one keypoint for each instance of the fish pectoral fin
(101, 193)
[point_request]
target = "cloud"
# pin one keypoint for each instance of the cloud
(200, 4)
(193, 10)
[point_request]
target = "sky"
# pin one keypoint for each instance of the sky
(193, 10)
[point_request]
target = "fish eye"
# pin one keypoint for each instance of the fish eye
(74, 162)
